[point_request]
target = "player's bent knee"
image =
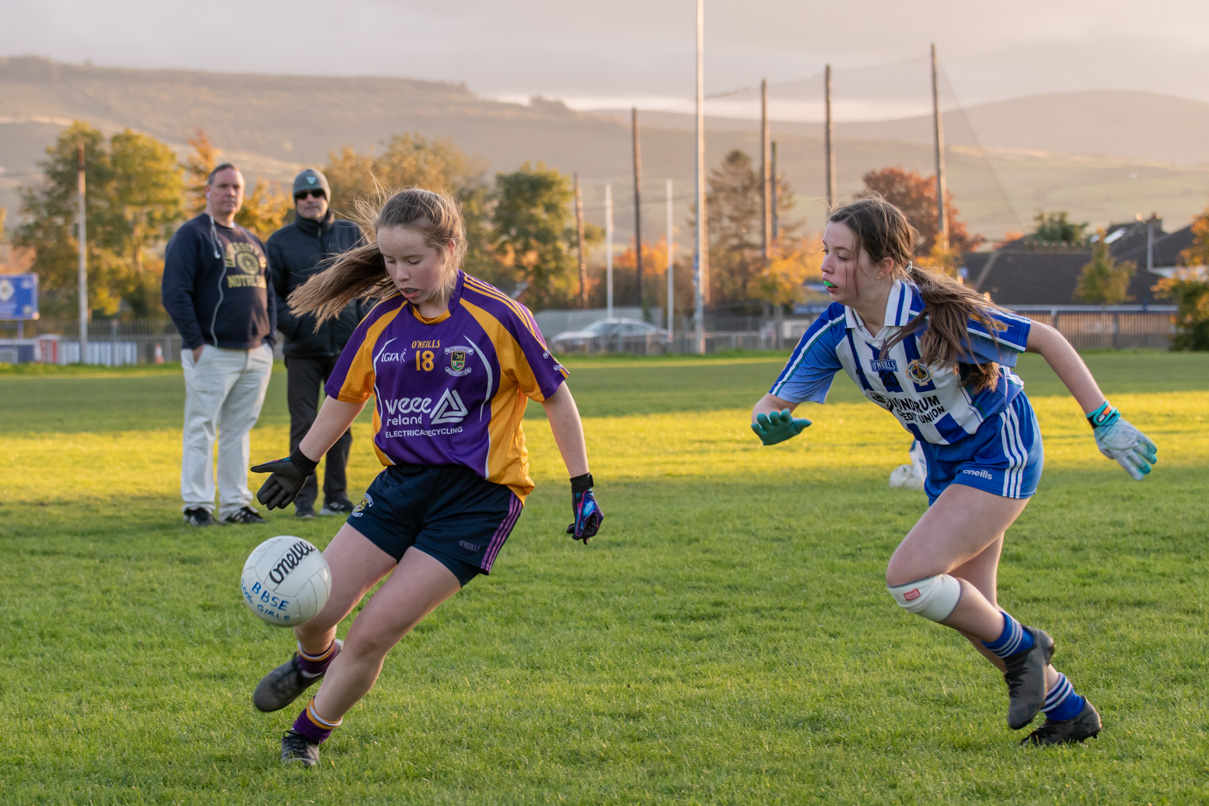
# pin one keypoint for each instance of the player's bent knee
(934, 598)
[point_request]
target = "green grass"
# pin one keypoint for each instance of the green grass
(727, 639)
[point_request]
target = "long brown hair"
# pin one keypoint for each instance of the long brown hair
(360, 273)
(883, 231)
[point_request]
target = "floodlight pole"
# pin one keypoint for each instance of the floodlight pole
(942, 229)
(82, 280)
(828, 145)
(701, 255)
(670, 282)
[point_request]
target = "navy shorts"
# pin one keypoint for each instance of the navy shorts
(446, 511)
(1003, 457)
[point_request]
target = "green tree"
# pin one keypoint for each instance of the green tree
(739, 277)
(533, 234)
(1189, 289)
(1104, 280)
(1057, 228)
(915, 195)
(133, 199)
(410, 160)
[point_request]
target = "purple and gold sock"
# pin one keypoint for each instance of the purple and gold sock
(314, 727)
(316, 665)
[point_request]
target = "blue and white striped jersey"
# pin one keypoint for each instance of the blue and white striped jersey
(928, 400)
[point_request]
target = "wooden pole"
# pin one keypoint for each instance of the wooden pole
(942, 219)
(579, 238)
(82, 277)
(765, 177)
(828, 145)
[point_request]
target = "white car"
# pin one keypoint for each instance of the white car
(612, 335)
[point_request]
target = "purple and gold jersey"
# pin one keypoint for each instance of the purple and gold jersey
(451, 390)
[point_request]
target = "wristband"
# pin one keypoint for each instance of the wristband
(303, 462)
(1105, 415)
(581, 483)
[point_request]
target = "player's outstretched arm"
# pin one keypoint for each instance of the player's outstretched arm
(568, 431)
(772, 420)
(288, 475)
(1115, 437)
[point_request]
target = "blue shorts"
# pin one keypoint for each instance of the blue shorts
(446, 511)
(1003, 457)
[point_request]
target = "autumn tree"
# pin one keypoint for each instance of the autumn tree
(411, 160)
(1103, 280)
(533, 234)
(267, 205)
(134, 194)
(654, 267)
(1189, 290)
(738, 272)
(1057, 228)
(915, 195)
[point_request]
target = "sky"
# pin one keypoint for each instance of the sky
(642, 53)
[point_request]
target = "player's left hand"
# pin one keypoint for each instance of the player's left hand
(1132, 449)
(778, 426)
(584, 508)
(288, 477)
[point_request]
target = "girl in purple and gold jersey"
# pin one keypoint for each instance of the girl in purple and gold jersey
(938, 357)
(451, 362)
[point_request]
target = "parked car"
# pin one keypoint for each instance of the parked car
(612, 335)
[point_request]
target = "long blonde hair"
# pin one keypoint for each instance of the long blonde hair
(883, 231)
(360, 273)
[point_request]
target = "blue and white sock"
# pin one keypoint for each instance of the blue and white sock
(1061, 701)
(1013, 639)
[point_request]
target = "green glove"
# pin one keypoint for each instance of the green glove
(778, 426)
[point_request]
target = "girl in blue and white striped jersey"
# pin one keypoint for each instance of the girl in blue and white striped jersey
(937, 356)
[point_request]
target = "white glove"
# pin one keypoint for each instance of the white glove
(1132, 449)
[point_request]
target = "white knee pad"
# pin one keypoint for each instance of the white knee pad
(933, 598)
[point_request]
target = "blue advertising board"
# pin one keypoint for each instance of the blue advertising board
(18, 296)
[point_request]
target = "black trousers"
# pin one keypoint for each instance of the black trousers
(305, 376)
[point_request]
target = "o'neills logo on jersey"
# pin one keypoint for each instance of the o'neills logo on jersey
(884, 365)
(457, 360)
(289, 561)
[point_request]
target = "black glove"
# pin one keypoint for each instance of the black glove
(586, 511)
(288, 476)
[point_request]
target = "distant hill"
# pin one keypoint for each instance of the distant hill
(1101, 156)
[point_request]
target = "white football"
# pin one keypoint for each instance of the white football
(286, 581)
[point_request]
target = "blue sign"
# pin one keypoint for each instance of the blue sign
(18, 296)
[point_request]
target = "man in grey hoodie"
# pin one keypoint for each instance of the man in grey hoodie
(297, 252)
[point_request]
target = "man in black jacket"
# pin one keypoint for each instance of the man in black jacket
(296, 253)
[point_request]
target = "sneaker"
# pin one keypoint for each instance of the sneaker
(199, 517)
(283, 685)
(296, 748)
(340, 507)
(1068, 731)
(304, 511)
(244, 515)
(1025, 677)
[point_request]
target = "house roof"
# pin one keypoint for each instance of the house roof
(1024, 273)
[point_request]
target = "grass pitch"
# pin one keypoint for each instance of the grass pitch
(727, 638)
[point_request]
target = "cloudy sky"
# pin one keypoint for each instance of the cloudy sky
(641, 53)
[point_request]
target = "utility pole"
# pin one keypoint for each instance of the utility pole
(670, 281)
(82, 280)
(827, 135)
(637, 206)
(579, 237)
(765, 177)
(942, 230)
(609, 248)
(776, 225)
(701, 254)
